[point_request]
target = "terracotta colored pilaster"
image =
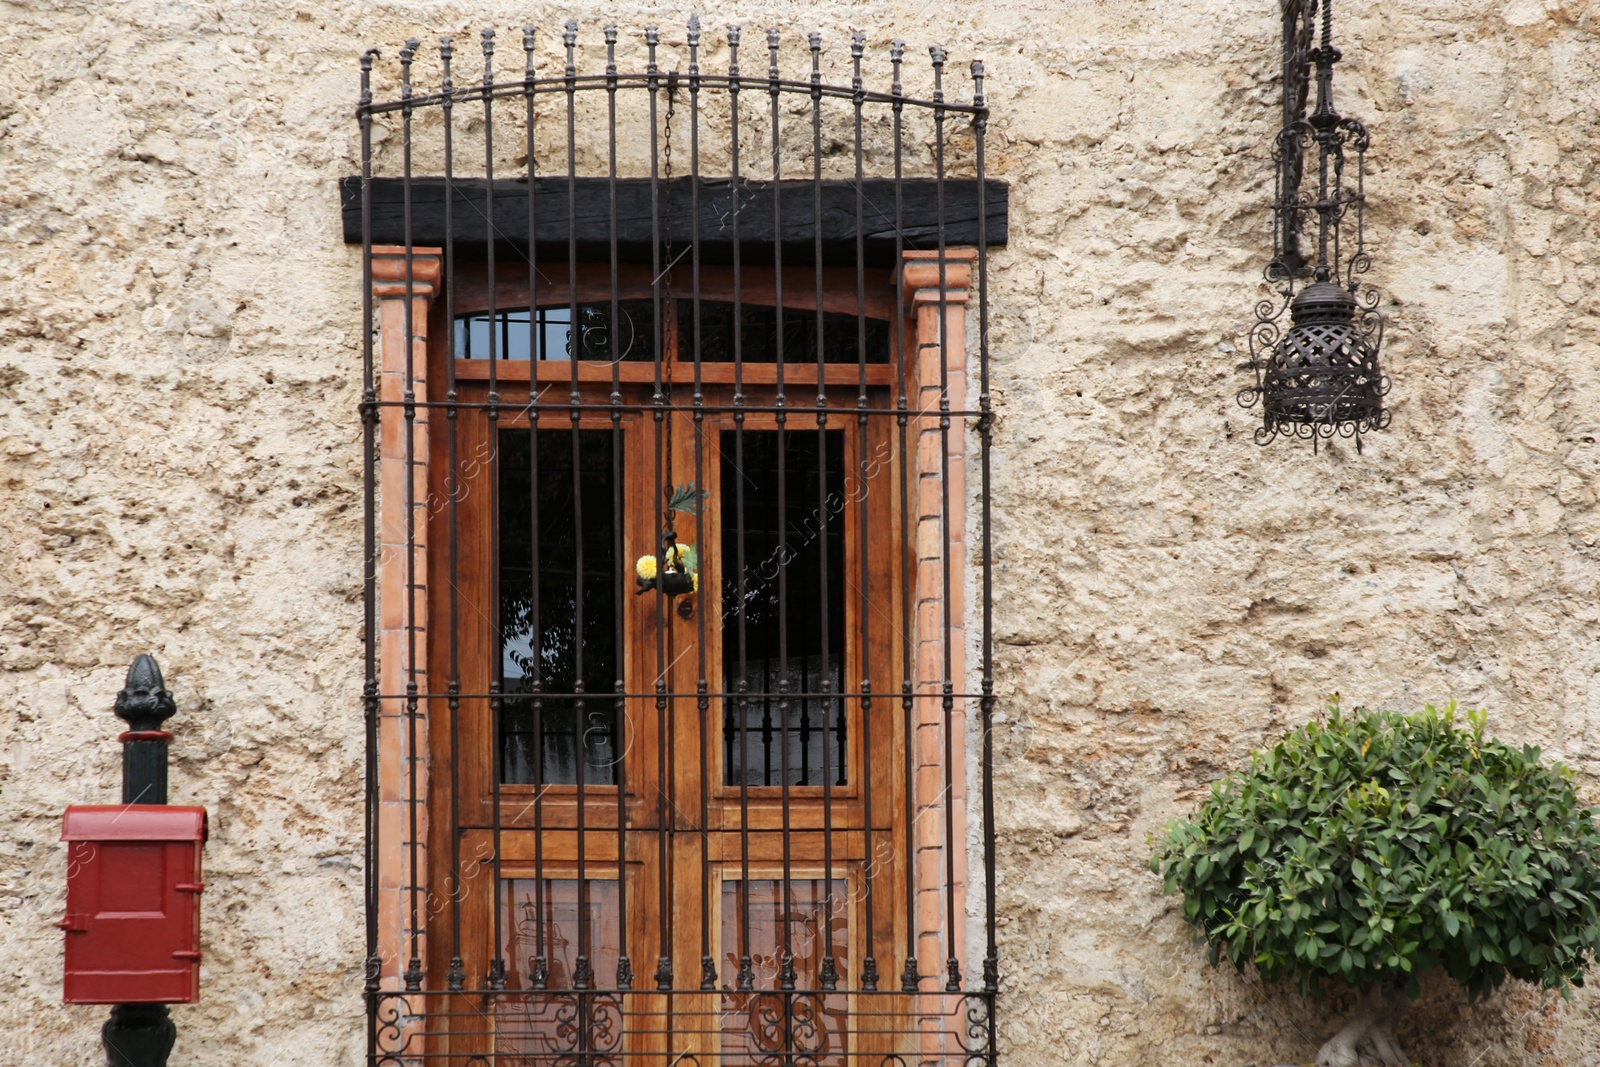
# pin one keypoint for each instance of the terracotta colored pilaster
(402, 599)
(936, 294)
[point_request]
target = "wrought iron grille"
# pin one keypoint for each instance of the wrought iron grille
(671, 597)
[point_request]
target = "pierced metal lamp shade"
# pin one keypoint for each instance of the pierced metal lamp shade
(1323, 377)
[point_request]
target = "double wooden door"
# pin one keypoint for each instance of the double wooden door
(701, 794)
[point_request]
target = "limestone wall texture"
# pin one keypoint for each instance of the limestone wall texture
(179, 473)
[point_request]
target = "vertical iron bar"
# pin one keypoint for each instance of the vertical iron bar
(1325, 207)
(582, 975)
(947, 689)
(909, 977)
(413, 976)
(658, 399)
(991, 958)
(497, 964)
(786, 975)
(369, 563)
(986, 705)
(869, 966)
(947, 701)
(456, 977)
(708, 969)
(1361, 211)
(624, 975)
(539, 972)
(746, 979)
(828, 977)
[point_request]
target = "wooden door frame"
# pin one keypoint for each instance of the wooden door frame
(411, 791)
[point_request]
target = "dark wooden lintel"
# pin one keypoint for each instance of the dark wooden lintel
(580, 215)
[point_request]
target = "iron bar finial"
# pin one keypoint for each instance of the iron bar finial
(406, 55)
(610, 33)
(527, 52)
(733, 55)
(447, 51)
(772, 54)
(488, 58)
(569, 38)
(366, 80)
(144, 702)
(909, 978)
(814, 42)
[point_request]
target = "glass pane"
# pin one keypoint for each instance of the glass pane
(541, 742)
(810, 1025)
(841, 335)
(512, 335)
(558, 1026)
(537, 914)
(753, 749)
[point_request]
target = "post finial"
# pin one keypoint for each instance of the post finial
(144, 702)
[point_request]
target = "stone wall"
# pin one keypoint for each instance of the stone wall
(179, 473)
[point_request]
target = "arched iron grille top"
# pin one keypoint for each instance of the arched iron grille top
(733, 76)
(718, 803)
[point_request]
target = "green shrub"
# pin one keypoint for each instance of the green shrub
(1374, 846)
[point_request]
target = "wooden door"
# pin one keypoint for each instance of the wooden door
(701, 794)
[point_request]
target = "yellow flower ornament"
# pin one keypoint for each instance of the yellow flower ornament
(680, 574)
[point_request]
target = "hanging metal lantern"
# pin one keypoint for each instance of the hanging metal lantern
(1321, 377)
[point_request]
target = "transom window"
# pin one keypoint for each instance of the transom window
(625, 330)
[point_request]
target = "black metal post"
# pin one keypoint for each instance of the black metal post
(142, 1035)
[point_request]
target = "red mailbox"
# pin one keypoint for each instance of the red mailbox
(133, 904)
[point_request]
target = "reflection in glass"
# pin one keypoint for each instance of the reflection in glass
(526, 903)
(557, 1026)
(570, 723)
(841, 334)
(755, 755)
(809, 1023)
(514, 336)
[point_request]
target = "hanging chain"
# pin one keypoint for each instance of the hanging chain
(666, 221)
(670, 535)
(666, 173)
